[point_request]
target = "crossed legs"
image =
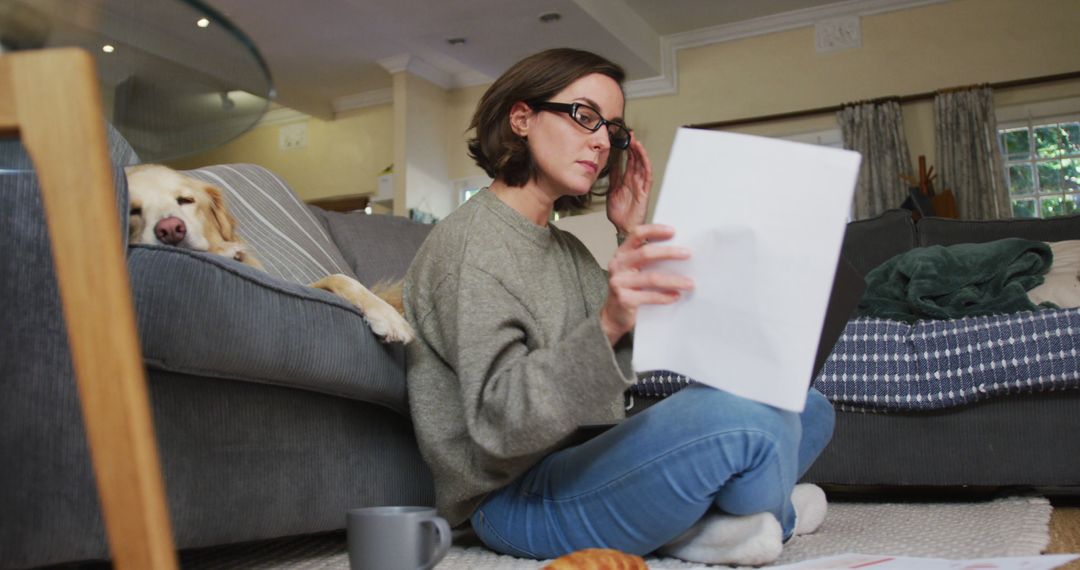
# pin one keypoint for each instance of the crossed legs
(643, 483)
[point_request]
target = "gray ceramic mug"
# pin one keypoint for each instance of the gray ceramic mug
(396, 538)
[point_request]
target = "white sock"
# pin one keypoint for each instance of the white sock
(750, 540)
(810, 507)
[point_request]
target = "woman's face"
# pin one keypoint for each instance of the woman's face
(569, 158)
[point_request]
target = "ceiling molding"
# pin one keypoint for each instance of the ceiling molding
(471, 79)
(790, 21)
(416, 66)
(395, 63)
(651, 87)
(362, 100)
(667, 82)
(280, 116)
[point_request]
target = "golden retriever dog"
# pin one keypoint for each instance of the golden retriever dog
(169, 208)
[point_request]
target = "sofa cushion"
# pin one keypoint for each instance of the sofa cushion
(886, 365)
(42, 436)
(377, 247)
(868, 243)
(286, 237)
(944, 231)
(1062, 283)
(206, 315)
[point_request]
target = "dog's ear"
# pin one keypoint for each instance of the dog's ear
(222, 217)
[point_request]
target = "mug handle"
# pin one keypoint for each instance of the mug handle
(443, 529)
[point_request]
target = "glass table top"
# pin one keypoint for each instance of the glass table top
(177, 78)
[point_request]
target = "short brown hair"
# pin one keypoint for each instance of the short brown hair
(496, 147)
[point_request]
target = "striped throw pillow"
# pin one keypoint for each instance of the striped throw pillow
(289, 241)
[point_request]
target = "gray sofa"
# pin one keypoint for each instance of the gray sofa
(1023, 438)
(275, 407)
(977, 405)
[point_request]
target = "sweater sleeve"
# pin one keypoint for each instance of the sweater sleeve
(521, 393)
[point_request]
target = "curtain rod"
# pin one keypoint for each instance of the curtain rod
(901, 99)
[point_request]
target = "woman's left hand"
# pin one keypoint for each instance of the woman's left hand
(628, 198)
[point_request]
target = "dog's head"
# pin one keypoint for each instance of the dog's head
(169, 208)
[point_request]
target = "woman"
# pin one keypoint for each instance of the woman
(522, 338)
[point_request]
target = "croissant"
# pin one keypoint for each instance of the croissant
(598, 559)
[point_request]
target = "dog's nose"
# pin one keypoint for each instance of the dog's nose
(170, 231)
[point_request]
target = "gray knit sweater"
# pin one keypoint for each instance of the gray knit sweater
(509, 358)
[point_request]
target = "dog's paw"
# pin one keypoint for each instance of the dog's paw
(389, 324)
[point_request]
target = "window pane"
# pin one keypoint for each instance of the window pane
(1020, 179)
(1050, 176)
(1058, 206)
(1016, 144)
(1023, 208)
(1071, 137)
(1047, 142)
(1070, 205)
(1051, 206)
(1070, 173)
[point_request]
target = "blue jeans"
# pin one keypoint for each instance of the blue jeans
(642, 483)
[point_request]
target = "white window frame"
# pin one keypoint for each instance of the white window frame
(833, 138)
(466, 187)
(1030, 117)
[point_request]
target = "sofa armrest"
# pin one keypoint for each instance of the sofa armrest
(869, 243)
(377, 247)
(205, 315)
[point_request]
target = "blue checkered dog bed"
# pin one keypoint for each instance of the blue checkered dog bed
(882, 365)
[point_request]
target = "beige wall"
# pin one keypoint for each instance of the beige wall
(459, 111)
(904, 52)
(342, 157)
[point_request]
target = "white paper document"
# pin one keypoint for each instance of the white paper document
(879, 562)
(764, 220)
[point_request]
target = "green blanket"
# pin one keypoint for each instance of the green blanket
(948, 282)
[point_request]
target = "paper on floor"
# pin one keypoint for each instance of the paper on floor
(764, 220)
(879, 562)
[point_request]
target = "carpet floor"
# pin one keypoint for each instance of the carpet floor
(1065, 531)
(1015, 526)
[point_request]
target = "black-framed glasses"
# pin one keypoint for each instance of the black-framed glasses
(589, 118)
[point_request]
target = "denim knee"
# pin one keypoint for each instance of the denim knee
(706, 406)
(819, 417)
(818, 420)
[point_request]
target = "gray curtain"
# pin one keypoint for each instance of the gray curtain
(876, 130)
(968, 156)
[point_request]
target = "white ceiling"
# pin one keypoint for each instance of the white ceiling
(325, 54)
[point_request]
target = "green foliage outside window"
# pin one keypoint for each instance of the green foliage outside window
(1043, 169)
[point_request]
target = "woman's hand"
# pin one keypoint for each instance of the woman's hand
(628, 199)
(629, 287)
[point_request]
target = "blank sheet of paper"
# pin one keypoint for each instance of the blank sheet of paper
(764, 220)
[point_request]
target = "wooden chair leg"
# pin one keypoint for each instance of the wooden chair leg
(51, 97)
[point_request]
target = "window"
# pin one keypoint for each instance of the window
(466, 194)
(830, 137)
(1042, 167)
(466, 188)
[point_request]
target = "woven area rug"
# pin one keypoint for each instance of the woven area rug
(1014, 526)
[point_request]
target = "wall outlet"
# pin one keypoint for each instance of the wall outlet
(292, 136)
(837, 34)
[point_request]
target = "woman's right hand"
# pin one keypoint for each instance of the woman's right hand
(629, 287)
